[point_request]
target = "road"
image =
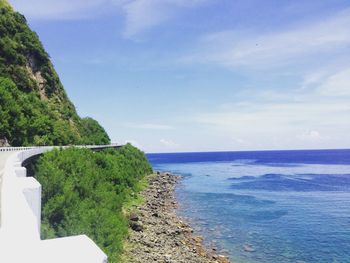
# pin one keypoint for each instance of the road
(3, 158)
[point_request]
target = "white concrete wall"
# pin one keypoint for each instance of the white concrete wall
(21, 218)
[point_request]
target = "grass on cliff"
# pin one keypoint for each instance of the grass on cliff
(4, 3)
(137, 199)
(84, 192)
(27, 120)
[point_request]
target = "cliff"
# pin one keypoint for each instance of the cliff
(34, 107)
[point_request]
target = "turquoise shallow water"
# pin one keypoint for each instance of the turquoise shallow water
(285, 206)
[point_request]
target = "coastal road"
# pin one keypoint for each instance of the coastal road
(3, 158)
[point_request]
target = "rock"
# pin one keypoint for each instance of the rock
(167, 258)
(4, 142)
(248, 248)
(161, 236)
(155, 214)
(198, 239)
(136, 226)
(222, 259)
(134, 217)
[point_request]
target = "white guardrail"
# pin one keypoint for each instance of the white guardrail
(21, 218)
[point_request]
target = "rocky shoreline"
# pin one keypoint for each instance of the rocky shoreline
(158, 235)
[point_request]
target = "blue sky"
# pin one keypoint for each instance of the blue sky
(204, 75)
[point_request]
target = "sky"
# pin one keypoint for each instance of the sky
(204, 75)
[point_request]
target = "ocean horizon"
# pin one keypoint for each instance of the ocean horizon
(266, 206)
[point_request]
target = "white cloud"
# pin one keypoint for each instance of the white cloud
(242, 142)
(169, 144)
(255, 50)
(149, 126)
(314, 78)
(58, 9)
(144, 14)
(276, 117)
(337, 84)
(140, 15)
(310, 136)
(282, 125)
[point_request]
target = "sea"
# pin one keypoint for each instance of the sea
(266, 206)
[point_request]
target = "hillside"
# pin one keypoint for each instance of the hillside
(34, 107)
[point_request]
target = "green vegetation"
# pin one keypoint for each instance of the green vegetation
(84, 193)
(92, 132)
(4, 3)
(35, 109)
(27, 120)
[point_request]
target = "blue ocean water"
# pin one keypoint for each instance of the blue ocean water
(268, 206)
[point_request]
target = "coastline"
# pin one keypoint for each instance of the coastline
(157, 234)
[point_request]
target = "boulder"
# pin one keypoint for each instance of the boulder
(136, 226)
(134, 217)
(4, 142)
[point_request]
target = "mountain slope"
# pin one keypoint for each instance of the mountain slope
(34, 107)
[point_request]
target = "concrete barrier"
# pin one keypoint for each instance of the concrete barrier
(21, 218)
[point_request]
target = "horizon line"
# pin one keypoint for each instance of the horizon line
(227, 151)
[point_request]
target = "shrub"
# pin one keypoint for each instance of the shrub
(84, 192)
